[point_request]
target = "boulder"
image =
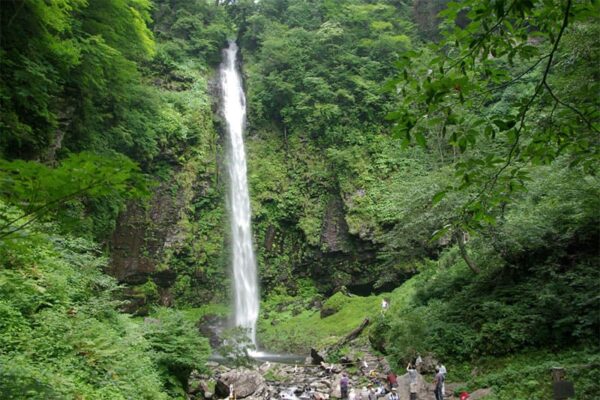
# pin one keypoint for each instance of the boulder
(428, 365)
(316, 358)
(330, 368)
(245, 382)
(336, 392)
(424, 389)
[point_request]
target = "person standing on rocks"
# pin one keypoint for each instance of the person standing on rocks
(371, 394)
(438, 381)
(443, 372)
(392, 379)
(344, 382)
(412, 380)
(352, 394)
(393, 395)
(418, 362)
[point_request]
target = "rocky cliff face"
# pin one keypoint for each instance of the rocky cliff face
(144, 234)
(338, 259)
(161, 250)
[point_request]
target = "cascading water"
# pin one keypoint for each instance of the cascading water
(245, 282)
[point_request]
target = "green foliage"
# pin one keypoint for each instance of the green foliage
(289, 326)
(288, 191)
(195, 30)
(536, 290)
(336, 302)
(527, 375)
(177, 347)
(237, 346)
(195, 314)
(42, 191)
(60, 335)
(524, 73)
(292, 83)
(69, 72)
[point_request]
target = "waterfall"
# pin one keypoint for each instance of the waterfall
(245, 282)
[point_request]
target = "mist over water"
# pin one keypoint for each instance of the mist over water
(245, 282)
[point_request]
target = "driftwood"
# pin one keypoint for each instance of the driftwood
(349, 337)
(355, 333)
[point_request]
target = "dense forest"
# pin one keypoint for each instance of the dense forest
(439, 155)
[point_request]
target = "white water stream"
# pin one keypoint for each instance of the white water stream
(245, 282)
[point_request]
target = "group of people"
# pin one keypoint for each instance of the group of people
(368, 392)
(371, 393)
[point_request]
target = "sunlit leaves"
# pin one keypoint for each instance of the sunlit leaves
(40, 190)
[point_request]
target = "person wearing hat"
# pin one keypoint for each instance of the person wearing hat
(393, 395)
(371, 394)
(368, 393)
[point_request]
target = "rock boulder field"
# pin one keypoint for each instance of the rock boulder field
(299, 382)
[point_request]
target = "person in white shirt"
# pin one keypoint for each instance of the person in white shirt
(384, 305)
(412, 381)
(352, 394)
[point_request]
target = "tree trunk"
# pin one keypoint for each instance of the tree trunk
(356, 332)
(460, 239)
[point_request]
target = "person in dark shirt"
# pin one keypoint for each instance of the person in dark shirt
(439, 382)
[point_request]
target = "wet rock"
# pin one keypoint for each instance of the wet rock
(263, 368)
(316, 358)
(245, 383)
(335, 391)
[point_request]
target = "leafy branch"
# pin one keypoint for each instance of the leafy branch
(38, 189)
(478, 42)
(39, 211)
(489, 185)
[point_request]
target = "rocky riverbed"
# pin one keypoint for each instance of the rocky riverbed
(312, 380)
